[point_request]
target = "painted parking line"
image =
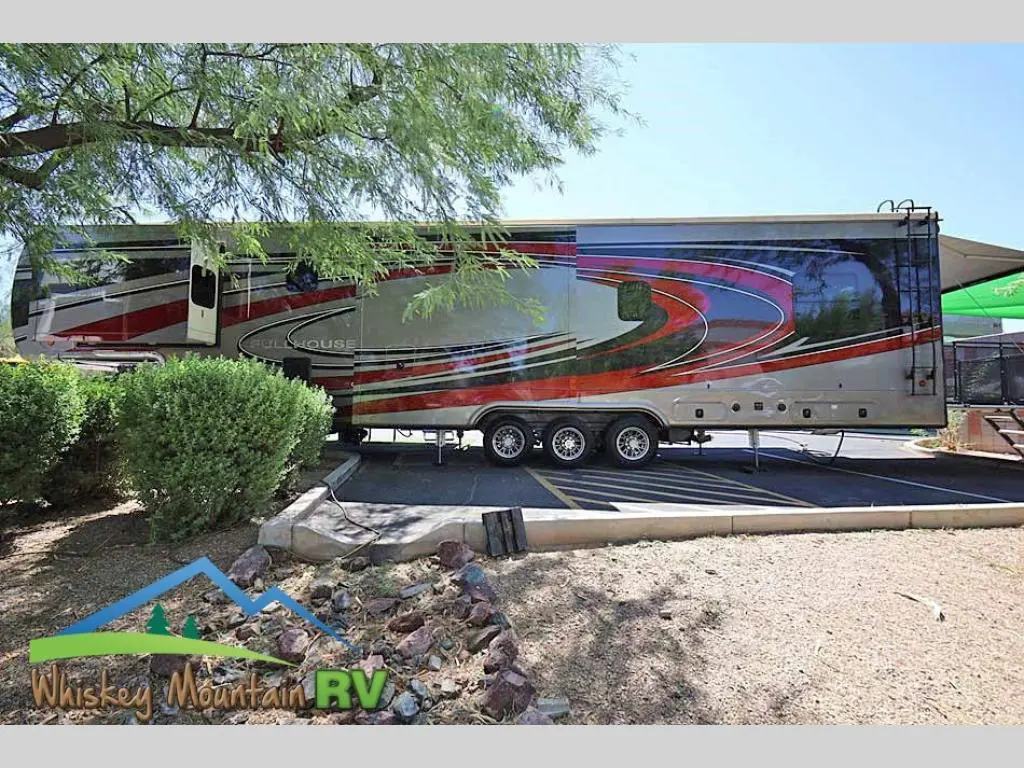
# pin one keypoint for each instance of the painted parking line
(901, 481)
(552, 489)
(686, 478)
(576, 487)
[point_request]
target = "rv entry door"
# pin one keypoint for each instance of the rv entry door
(203, 296)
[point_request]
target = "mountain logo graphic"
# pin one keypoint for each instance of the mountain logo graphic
(83, 638)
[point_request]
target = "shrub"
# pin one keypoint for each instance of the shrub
(92, 466)
(950, 437)
(41, 412)
(206, 440)
(316, 417)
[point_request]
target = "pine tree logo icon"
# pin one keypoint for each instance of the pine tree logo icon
(190, 630)
(157, 624)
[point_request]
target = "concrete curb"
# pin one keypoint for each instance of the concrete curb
(277, 531)
(977, 455)
(412, 532)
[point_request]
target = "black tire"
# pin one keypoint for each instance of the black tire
(631, 441)
(500, 437)
(568, 442)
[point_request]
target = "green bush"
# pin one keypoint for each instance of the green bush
(41, 412)
(92, 466)
(316, 416)
(207, 441)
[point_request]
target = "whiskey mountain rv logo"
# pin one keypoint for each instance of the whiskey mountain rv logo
(337, 688)
(84, 638)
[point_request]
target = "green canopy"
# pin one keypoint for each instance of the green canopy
(984, 300)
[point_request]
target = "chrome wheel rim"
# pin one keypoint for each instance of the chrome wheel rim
(568, 443)
(632, 443)
(508, 441)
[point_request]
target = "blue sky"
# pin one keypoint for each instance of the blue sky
(762, 129)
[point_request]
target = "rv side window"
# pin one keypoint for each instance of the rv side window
(204, 287)
(634, 300)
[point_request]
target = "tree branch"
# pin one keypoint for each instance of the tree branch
(13, 119)
(32, 179)
(71, 84)
(52, 137)
(157, 99)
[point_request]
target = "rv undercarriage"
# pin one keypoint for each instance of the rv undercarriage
(568, 438)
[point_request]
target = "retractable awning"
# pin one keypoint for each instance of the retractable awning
(971, 274)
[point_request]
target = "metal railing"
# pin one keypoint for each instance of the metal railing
(984, 373)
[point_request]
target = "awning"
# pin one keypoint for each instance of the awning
(966, 262)
(971, 274)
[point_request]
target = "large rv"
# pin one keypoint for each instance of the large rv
(652, 331)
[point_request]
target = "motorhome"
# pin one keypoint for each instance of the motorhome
(652, 330)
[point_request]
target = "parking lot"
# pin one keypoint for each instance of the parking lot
(795, 469)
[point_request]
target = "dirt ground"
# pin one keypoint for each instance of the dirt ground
(59, 566)
(777, 629)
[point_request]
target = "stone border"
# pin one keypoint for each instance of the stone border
(555, 529)
(982, 455)
(277, 531)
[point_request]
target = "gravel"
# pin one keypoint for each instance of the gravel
(802, 628)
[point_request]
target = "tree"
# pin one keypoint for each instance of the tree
(310, 134)
(190, 630)
(157, 624)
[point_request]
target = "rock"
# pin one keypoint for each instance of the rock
(710, 571)
(479, 639)
(414, 589)
(533, 717)
(379, 606)
(419, 689)
(166, 664)
(251, 564)
(463, 655)
(449, 689)
(446, 644)
(501, 652)
(341, 601)
(257, 584)
(292, 644)
(462, 606)
(321, 588)
(501, 620)
(345, 717)
(235, 618)
(371, 664)
(406, 622)
(470, 573)
(357, 564)
(247, 632)
(510, 694)
(665, 613)
(454, 554)
(216, 597)
(480, 593)
(382, 718)
(405, 707)
(387, 695)
(309, 688)
(416, 643)
(434, 663)
(438, 587)
(480, 614)
(553, 708)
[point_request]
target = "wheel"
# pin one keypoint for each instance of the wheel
(568, 442)
(631, 441)
(507, 441)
